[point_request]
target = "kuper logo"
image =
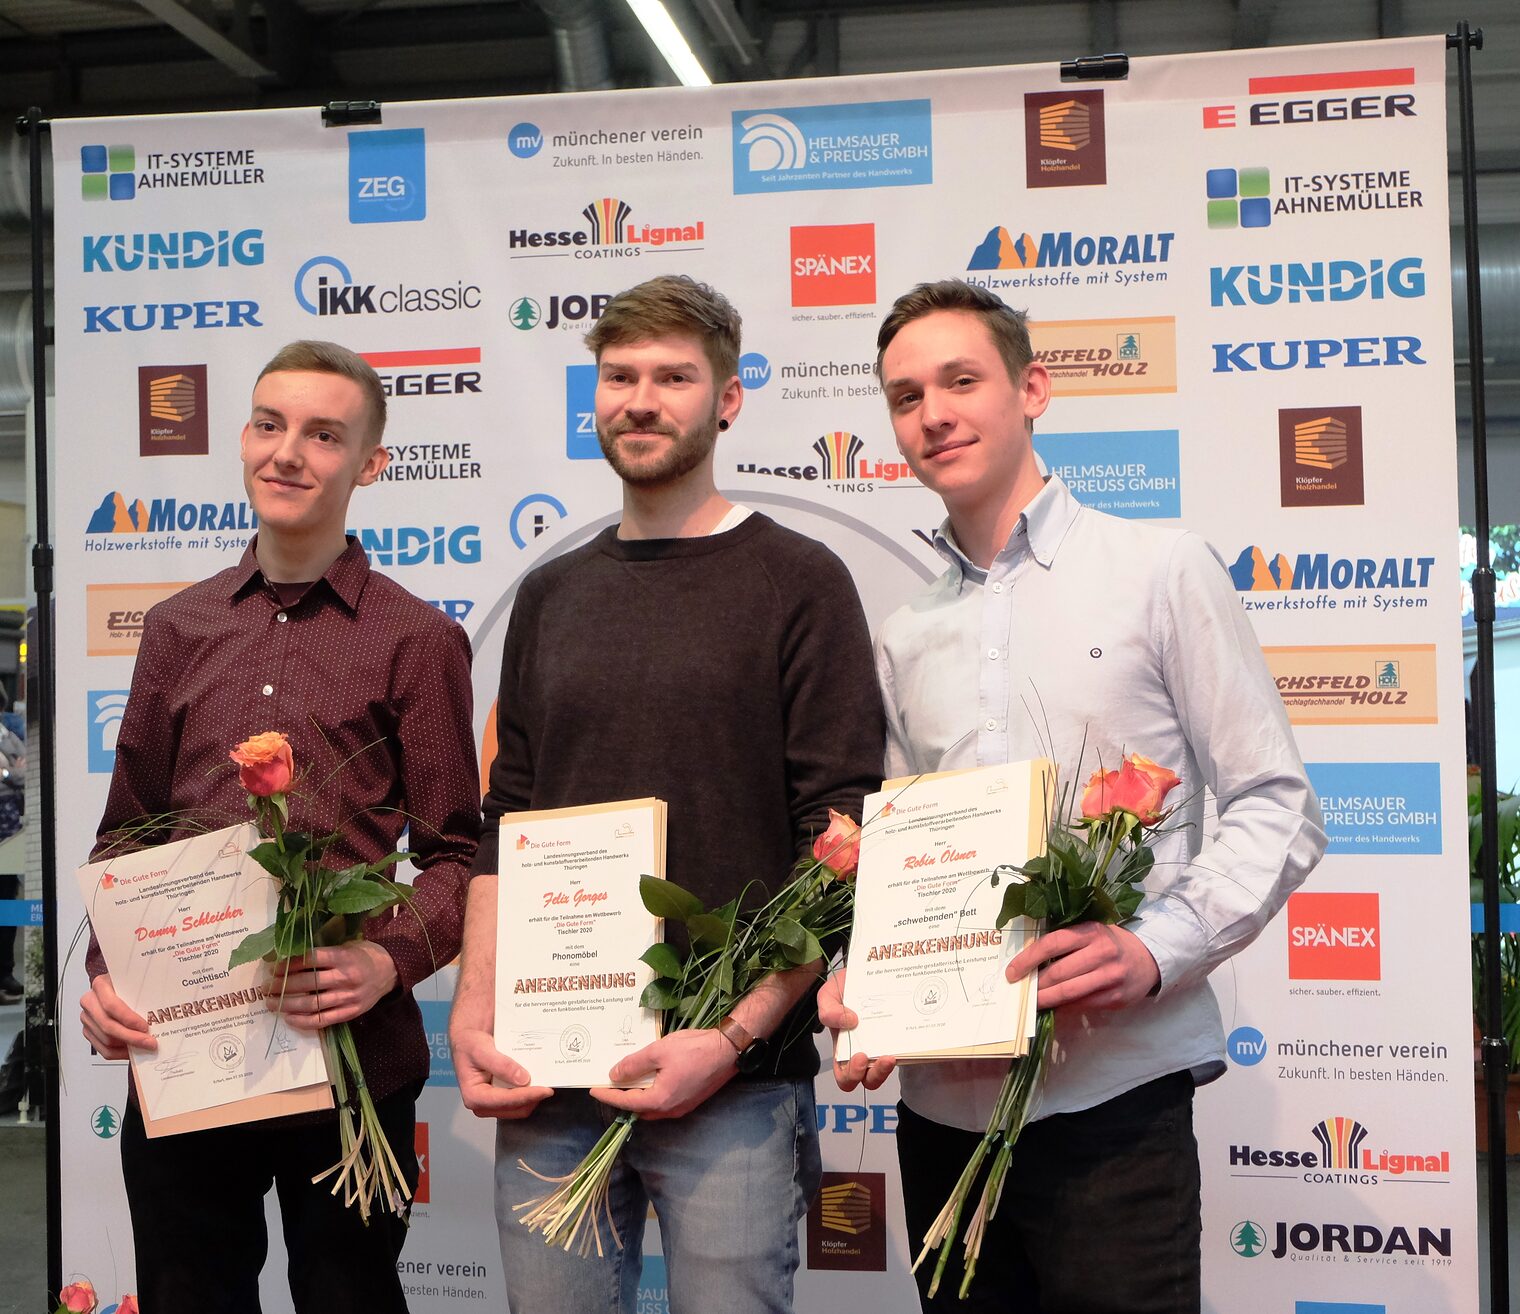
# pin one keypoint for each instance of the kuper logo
(609, 234)
(1343, 1151)
(530, 517)
(846, 1227)
(413, 545)
(1334, 937)
(1316, 354)
(171, 411)
(169, 316)
(118, 525)
(1379, 808)
(1325, 1242)
(387, 176)
(1320, 455)
(883, 143)
(190, 249)
(114, 615)
(456, 609)
(1327, 582)
(1064, 142)
(1356, 684)
(1289, 99)
(427, 373)
(834, 265)
(1108, 357)
(841, 463)
(1318, 281)
(1113, 255)
(323, 286)
(1133, 473)
(114, 172)
(569, 312)
(1239, 198)
(103, 712)
(854, 1119)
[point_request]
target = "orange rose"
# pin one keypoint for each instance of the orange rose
(78, 1297)
(1164, 778)
(1137, 787)
(128, 1304)
(265, 766)
(839, 846)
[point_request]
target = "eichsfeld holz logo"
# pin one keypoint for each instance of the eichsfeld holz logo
(1359, 95)
(103, 712)
(1134, 473)
(884, 143)
(1320, 456)
(1378, 809)
(1323, 581)
(114, 615)
(1065, 140)
(581, 443)
(118, 172)
(846, 1225)
(387, 176)
(1334, 937)
(834, 265)
(171, 411)
(1356, 683)
(1107, 357)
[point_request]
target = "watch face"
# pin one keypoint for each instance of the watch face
(755, 1057)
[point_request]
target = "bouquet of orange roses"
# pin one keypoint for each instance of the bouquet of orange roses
(1091, 871)
(320, 906)
(730, 953)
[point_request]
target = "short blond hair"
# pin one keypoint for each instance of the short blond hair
(673, 303)
(309, 356)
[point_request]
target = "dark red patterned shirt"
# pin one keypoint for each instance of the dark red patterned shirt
(373, 688)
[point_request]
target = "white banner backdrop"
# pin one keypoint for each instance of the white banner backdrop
(1237, 266)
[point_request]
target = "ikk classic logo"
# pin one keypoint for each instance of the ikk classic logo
(1320, 456)
(1343, 1150)
(834, 265)
(171, 411)
(610, 233)
(387, 176)
(1290, 100)
(846, 1226)
(120, 172)
(319, 291)
(1135, 474)
(103, 712)
(1334, 937)
(883, 143)
(1112, 256)
(1355, 683)
(1379, 808)
(1341, 1243)
(168, 524)
(1064, 139)
(1319, 581)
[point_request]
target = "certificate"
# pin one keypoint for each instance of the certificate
(926, 958)
(167, 920)
(570, 932)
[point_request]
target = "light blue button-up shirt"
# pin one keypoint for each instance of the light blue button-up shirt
(1087, 638)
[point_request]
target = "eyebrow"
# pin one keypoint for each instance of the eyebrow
(322, 421)
(690, 366)
(947, 367)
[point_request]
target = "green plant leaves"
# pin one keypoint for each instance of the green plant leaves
(668, 900)
(253, 947)
(664, 959)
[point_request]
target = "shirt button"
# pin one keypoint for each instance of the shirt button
(992, 654)
(992, 725)
(268, 689)
(998, 587)
(281, 617)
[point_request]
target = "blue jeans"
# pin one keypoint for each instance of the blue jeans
(729, 1182)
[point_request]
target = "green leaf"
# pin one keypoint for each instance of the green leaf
(725, 977)
(660, 994)
(668, 900)
(271, 858)
(361, 897)
(1035, 902)
(1013, 904)
(664, 959)
(292, 938)
(805, 952)
(1138, 865)
(789, 932)
(1101, 907)
(253, 947)
(1127, 901)
(348, 875)
(382, 866)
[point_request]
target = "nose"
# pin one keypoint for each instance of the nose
(934, 412)
(643, 402)
(288, 450)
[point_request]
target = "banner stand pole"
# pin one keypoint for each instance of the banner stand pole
(40, 667)
(1495, 1051)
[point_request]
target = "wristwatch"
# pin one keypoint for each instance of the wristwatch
(753, 1051)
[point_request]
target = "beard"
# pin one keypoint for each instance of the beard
(687, 450)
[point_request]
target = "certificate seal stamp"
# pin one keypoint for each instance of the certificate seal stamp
(929, 996)
(574, 1041)
(227, 1052)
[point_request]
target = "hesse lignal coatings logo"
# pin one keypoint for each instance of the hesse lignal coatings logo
(842, 465)
(609, 234)
(834, 265)
(1343, 1152)
(1334, 937)
(1284, 107)
(323, 286)
(885, 143)
(387, 176)
(1378, 808)
(1064, 139)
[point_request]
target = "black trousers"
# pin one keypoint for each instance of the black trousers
(1100, 1211)
(197, 1204)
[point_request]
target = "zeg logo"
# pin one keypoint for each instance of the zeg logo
(387, 176)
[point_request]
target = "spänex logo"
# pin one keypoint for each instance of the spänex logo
(387, 176)
(171, 411)
(1064, 139)
(833, 265)
(1290, 99)
(1320, 456)
(609, 233)
(324, 286)
(1334, 937)
(884, 143)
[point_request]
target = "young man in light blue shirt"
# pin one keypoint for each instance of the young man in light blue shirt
(1060, 631)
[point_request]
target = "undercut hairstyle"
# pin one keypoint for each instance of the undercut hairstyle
(311, 357)
(1009, 328)
(673, 303)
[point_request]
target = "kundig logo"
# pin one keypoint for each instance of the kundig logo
(191, 249)
(1316, 281)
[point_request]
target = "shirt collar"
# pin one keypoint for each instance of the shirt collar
(1044, 521)
(345, 577)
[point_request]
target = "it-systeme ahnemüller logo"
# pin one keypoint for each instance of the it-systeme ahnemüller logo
(104, 711)
(881, 143)
(387, 176)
